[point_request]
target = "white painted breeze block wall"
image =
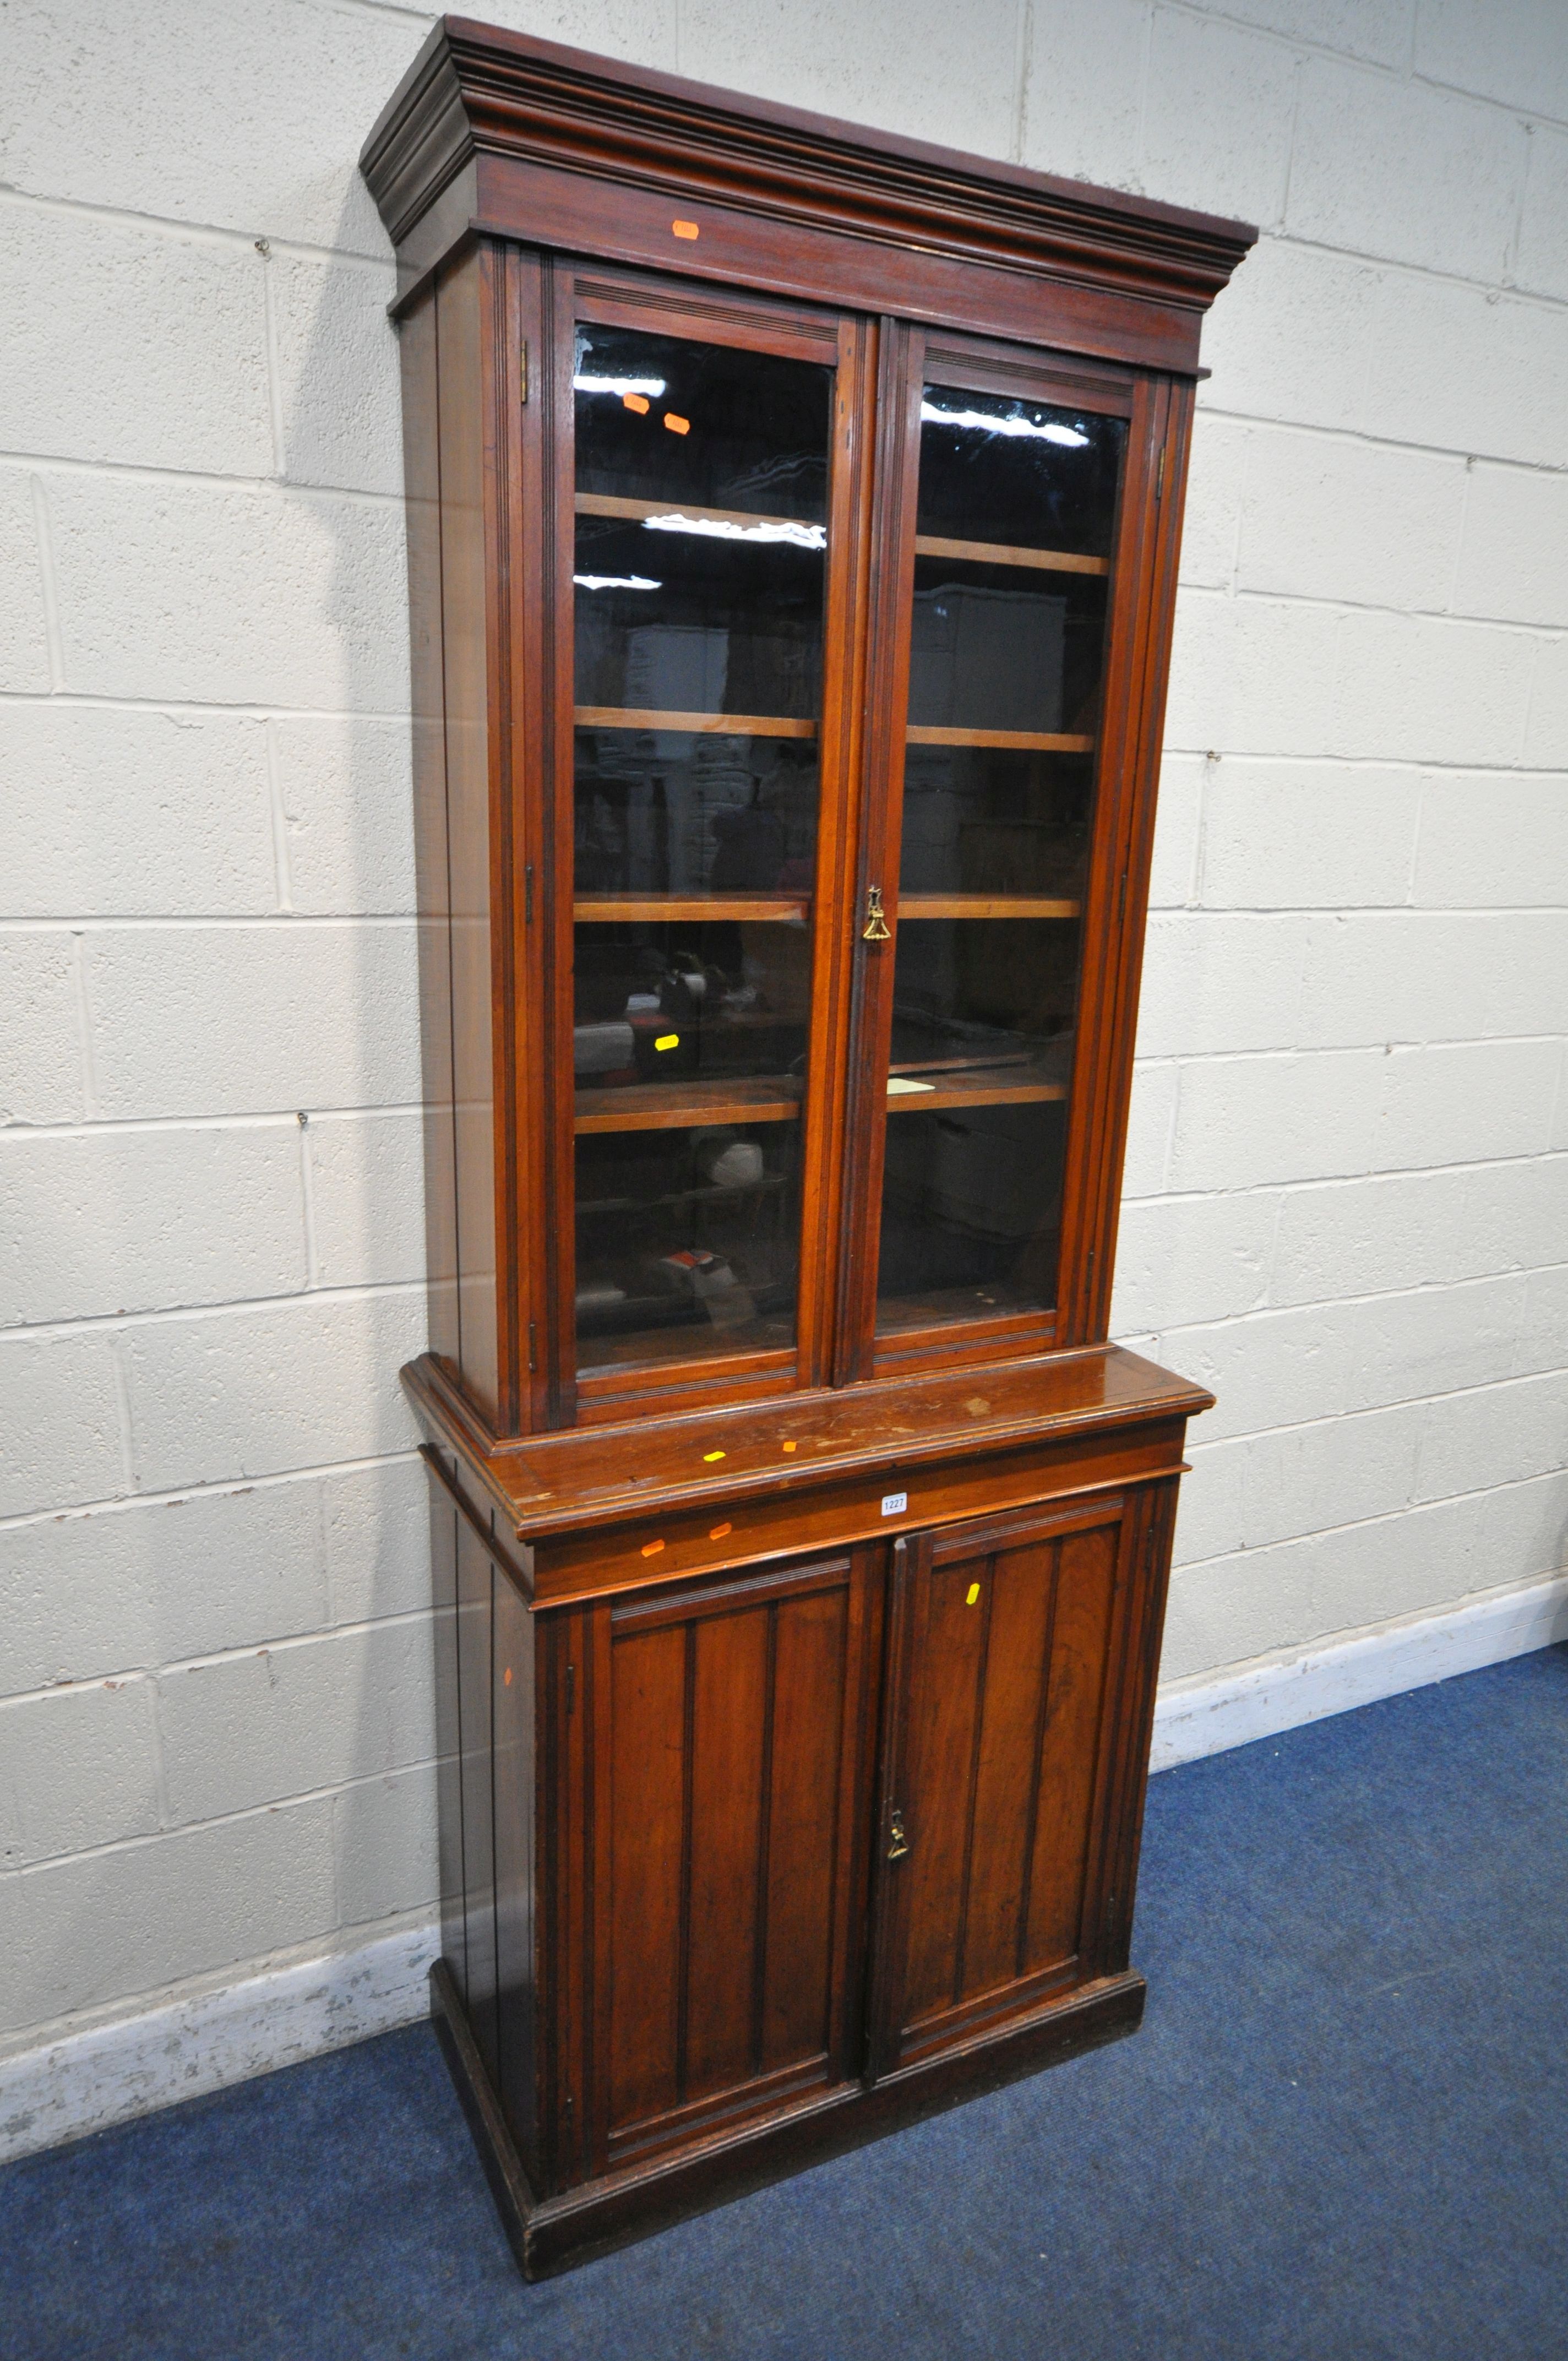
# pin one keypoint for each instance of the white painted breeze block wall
(1347, 1208)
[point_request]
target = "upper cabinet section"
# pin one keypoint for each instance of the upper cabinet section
(794, 515)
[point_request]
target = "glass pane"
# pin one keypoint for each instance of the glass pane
(701, 528)
(1013, 535)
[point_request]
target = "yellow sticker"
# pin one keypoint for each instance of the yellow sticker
(711, 1456)
(973, 1594)
(668, 1041)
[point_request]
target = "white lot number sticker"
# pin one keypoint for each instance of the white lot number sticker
(894, 1504)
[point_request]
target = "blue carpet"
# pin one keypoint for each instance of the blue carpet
(1343, 2130)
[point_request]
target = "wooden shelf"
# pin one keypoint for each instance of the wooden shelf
(673, 1106)
(997, 553)
(768, 1183)
(996, 1086)
(690, 909)
(986, 906)
(637, 511)
(1024, 742)
(718, 725)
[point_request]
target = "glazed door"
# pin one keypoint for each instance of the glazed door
(730, 1818)
(709, 507)
(1001, 1655)
(1012, 565)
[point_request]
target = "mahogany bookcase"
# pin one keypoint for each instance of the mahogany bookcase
(793, 516)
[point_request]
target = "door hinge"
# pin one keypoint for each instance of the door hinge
(528, 894)
(571, 1688)
(1159, 475)
(523, 371)
(533, 1346)
(1122, 900)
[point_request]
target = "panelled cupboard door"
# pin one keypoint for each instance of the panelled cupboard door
(997, 1722)
(732, 1774)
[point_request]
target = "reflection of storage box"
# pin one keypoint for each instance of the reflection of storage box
(601, 1049)
(776, 960)
(1019, 856)
(980, 1173)
(982, 659)
(984, 1181)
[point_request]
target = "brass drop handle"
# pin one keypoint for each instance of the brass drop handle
(876, 929)
(899, 1844)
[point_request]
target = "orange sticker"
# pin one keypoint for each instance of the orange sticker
(651, 1549)
(790, 1446)
(684, 229)
(677, 425)
(709, 1456)
(507, 1676)
(718, 1532)
(637, 402)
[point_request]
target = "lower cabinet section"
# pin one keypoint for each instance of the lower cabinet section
(742, 1869)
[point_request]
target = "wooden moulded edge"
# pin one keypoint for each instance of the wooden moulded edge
(501, 1470)
(476, 91)
(552, 2234)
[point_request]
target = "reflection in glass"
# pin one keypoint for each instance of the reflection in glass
(982, 820)
(1013, 535)
(699, 568)
(687, 1242)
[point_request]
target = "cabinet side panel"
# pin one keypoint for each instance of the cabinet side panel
(514, 1709)
(728, 1753)
(421, 476)
(648, 1800)
(1074, 1708)
(811, 1655)
(464, 612)
(448, 1732)
(1022, 1584)
(475, 1662)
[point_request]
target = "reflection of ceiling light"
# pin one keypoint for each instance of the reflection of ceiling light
(803, 536)
(619, 385)
(986, 425)
(615, 582)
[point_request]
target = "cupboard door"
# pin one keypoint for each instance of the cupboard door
(1002, 1645)
(732, 1806)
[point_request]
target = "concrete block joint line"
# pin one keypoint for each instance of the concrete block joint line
(1347, 1170)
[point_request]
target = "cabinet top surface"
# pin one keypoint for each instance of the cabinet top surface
(477, 89)
(593, 1474)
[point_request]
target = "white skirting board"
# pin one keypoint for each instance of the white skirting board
(127, 2066)
(1207, 1715)
(110, 2072)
